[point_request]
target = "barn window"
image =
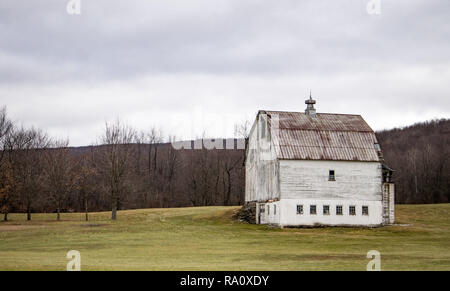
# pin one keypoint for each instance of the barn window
(262, 208)
(268, 209)
(313, 209)
(331, 176)
(339, 210)
(365, 210)
(352, 210)
(326, 210)
(300, 209)
(275, 209)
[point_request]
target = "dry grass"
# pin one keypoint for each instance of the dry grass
(207, 238)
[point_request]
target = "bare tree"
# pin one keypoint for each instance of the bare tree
(6, 177)
(202, 177)
(6, 189)
(116, 158)
(242, 129)
(145, 178)
(5, 127)
(171, 166)
(231, 161)
(58, 174)
(154, 137)
(25, 148)
(86, 182)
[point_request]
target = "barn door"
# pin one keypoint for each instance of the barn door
(262, 209)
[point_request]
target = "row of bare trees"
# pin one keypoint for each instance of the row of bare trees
(126, 169)
(34, 169)
(420, 156)
(130, 169)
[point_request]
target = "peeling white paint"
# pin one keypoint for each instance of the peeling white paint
(283, 184)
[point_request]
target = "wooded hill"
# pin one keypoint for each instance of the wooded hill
(419, 154)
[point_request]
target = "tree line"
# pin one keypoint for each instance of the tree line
(126, 169)
(130, 169)
(420, 155)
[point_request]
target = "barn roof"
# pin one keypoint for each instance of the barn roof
(324, 136)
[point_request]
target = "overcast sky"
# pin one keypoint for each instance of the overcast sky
(194, 66)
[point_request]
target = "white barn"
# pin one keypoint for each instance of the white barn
(307, 169)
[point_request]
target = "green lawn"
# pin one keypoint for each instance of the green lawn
(207, 238)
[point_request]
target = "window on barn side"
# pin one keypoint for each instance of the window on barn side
(352, 210)
(339, 210)
(262, 208)
(313, 209)
(365, 210)
(268, 209)
(331, 176)
(300, 209)
(275, 209)
(326, 210)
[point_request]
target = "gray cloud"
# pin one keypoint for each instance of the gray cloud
(159, 59)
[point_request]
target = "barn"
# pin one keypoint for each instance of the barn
(310, 169)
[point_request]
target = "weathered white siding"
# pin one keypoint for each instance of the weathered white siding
(279, 183)
(307, 183)
(271, 214)
(261, 167)
(289, 216)
(391, 203)
(309, 180)
(388, 203)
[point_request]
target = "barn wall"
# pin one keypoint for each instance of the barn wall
(307, 183)
(262, 167)
(270, 213)
(310, 180)
(289, 216)
(391, 203)
(388, 203)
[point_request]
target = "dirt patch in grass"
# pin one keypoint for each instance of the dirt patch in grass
(93, 225)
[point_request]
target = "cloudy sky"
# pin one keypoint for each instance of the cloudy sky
(199, 66)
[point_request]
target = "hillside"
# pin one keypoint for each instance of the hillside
(420, 156)
(208, 238)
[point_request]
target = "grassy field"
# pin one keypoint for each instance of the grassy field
(207, 238)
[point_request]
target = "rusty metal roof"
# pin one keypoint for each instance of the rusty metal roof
(341, 137)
